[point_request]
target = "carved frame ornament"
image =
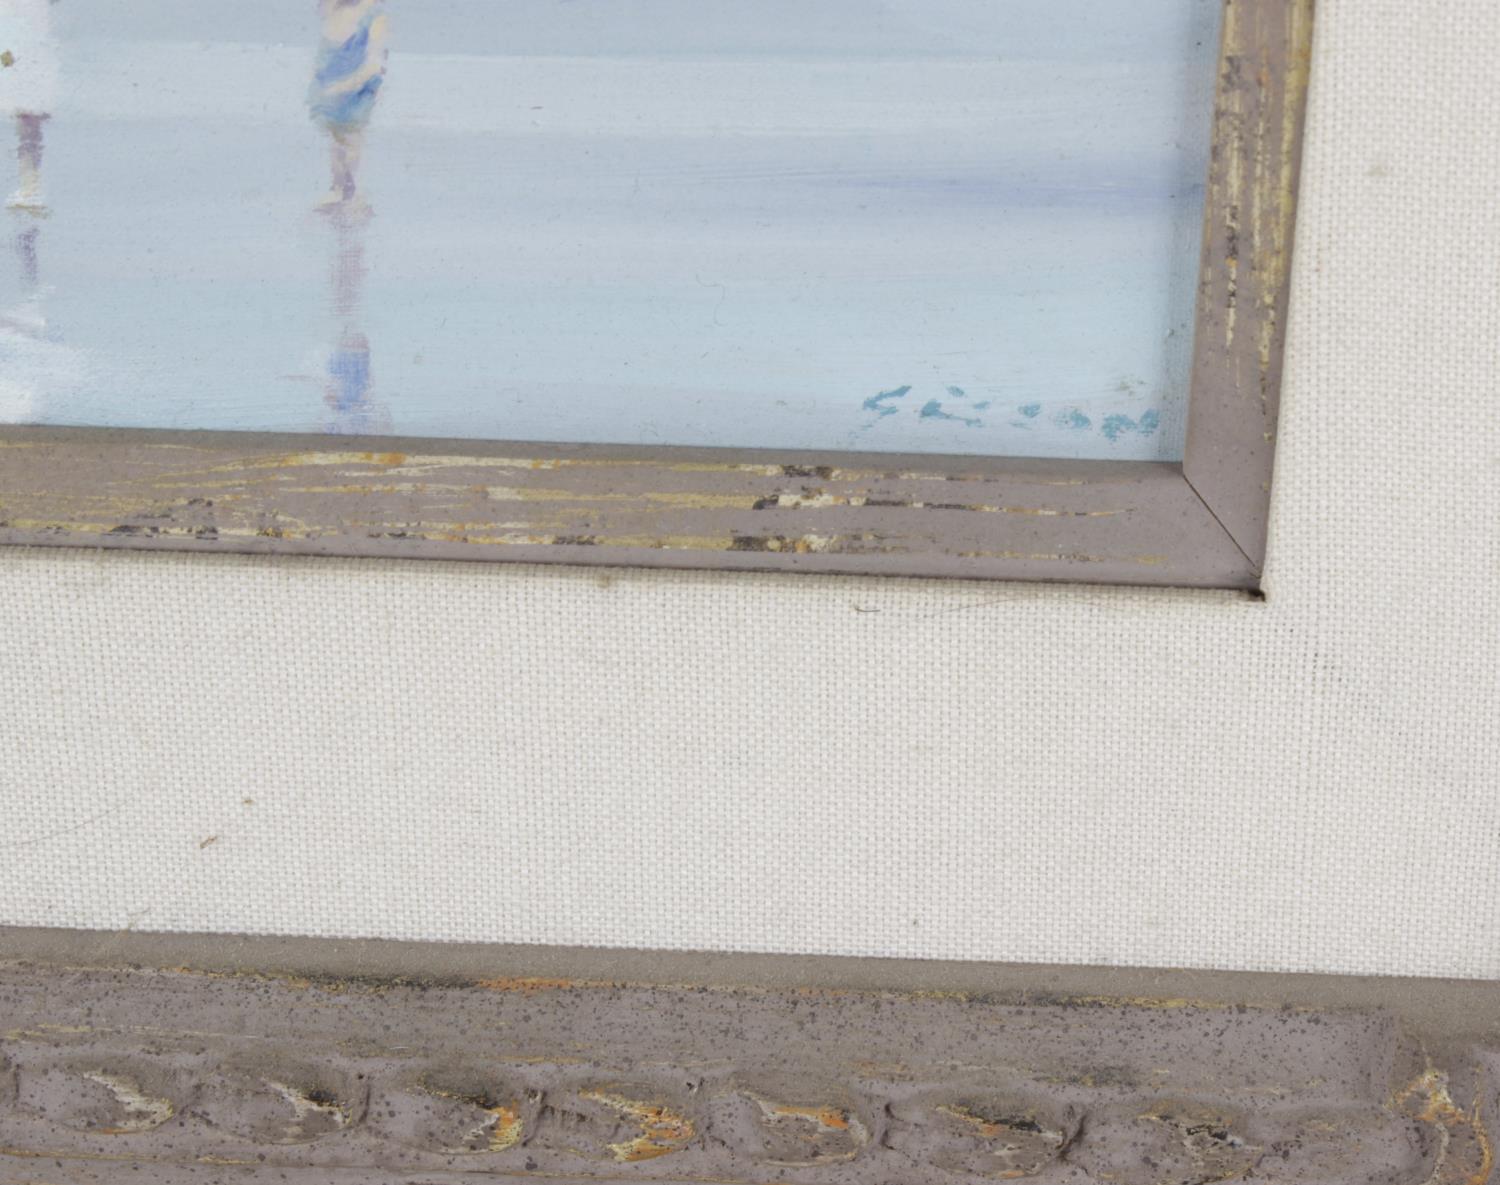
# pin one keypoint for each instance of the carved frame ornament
(177, 1060)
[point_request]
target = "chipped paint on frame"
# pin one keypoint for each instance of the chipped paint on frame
(315, 1061)
(1246, 263)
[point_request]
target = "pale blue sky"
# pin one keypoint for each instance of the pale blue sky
(1064, 30)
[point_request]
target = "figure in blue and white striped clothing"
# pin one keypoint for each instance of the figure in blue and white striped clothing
(347, 78)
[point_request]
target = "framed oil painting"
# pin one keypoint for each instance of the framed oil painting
(948, 287)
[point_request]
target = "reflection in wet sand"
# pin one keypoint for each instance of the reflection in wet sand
(26, 315)
(36, 367)
(31, 272)
(348, 378)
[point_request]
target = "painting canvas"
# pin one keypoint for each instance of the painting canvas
(944, 226)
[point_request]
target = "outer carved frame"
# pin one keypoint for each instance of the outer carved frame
(1201, 523)
(219, 1061)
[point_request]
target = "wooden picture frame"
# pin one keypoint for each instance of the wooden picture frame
(1199, 523)
(204, 1060)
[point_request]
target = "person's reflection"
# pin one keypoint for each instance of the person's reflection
(39, 372)
(26, 315)
(348, 377)
(30, 270)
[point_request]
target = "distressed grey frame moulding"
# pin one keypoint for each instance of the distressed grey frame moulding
(183, 1060)
(1198, 523)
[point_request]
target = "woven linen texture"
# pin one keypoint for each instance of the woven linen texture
(898, 768)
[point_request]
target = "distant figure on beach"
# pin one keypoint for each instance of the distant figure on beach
(347, 78)
(28, 91)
